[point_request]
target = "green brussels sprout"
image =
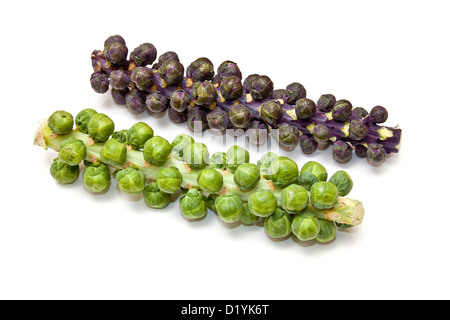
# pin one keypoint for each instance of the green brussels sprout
(311, 173)
(154, 197)
(131, 180)
(113, 153)
(305, 226)
(60, 122)
(229, 207)
(97, 178)
(278, 225)
(169, 179)
(210, 180)
(327, 231)
(178, 144)
(236, 156)
(156, 150)
(82, 119)
(323, 195)
(247, 176)
(262, 203)
(294, 198)
(247, 217)
(138, 135)
(193, 205)
(196, 155)
(72, 151)
(218, 161)
(64, 173)
(121, 136)
(284, 172)
(265, 162)
(343, 182)
(100, 127)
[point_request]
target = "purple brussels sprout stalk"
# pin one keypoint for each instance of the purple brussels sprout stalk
(179, 100)
(261, 87)
(177, 117)
(172, 71)
(326, 102)
(270, 112)
(204, 94)
(228, 69)
(231, 87)
(376, 154)
(119, 79)
(218, 120)
(288, 136)
(201, 69)
(142, 78)
(157, 102)
(257, 133)
(342, 151)
(294, 92)
(305, 108)
(196, 119)
(135, 101)
(240, 116)
(378, 114)
(144, 54)
(342, 110)
(119, 96)
(308, 144)
(99, 82)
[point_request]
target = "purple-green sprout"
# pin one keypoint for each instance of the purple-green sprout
(135, 101)
(156, 102)
(144, 54)
(179, 100)
(201, 69)
(231, 87)
(120, 79)
(99, 82)
(294, 92)
(342, 152)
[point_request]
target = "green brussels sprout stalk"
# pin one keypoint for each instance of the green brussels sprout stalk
(223, 188)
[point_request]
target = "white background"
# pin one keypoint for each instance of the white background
(59, 242)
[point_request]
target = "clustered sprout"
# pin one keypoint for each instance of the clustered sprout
(285, 198)
(220, 100)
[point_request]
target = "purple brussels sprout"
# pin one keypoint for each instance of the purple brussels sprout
(144, 54)
(278, 94)
(321, 133)
(227, 69)
(248, 82)
(357, 130)
(177, 117)
(172, 71)
(179, 100)
(257, 133)
(288, 136)
(142, 77)
(196, 119)
(294, 92)
(270, 112)
(135, 101)
(326, 102)
(361, 151)
(261, 87)
(376, 153)
(205, 93)
(99, 82)
(240, 116)
(156, 102)
(217, 120)
(119, 79)
(308, 144)
(305, 108)
(116, 53)
(114, 39)
(201, 69)
(119, 96)
(378, 114)
(342, 151)
(359, 113)
(231, 87)
(342, 110)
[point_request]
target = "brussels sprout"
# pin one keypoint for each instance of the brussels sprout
(82, 119)
(327, 231)
(156, 102)
(131, 180)
(240, 116)
(172, 71)
(169, 55)
(278, 94)
(270, 112)
(144, 54)
(357, 130)
(376, 153)
(120, 80)
(288, 136)
(261, 87)
(178, 144)
(121, 136)
(308, 144)
(361, 151)
(114, 39)
(193, 205)
(218, 161)
(196, 155)
(63, 173)
(247, 217)
(294, 92)
(113, 153)
(205, 94)
(60, 122)
(311, 173)
(359, 113)
(97, 178)
(99, 82)
(138, 135)
(100, 127)
(169, 179)
(294, 198)
(378, 114)
(326, 102)
(210, 180)
(342, 110)
(247, 176)
(200, 70)
(321, 133)
(229, 207)
(305, 108)
(116, 53)
(324, 195)
(305, 226)
(284, 172)
(156, 150)
(278, 225)
(196, 119)
(342, 152)
(120, 96)
(217, 120)
(72, 151)
(343, 182)
(257, 133)
(262, 203)
(179, 100)
(231, 88)
(154, 197)
(236, 156)
(265, 162)
(135, 101)
(227, 69)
